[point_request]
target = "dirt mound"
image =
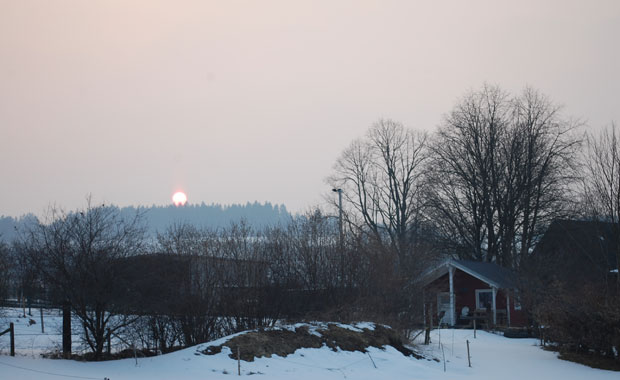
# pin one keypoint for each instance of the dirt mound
(283, 342)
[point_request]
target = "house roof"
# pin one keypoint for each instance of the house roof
(596, 242)
(575, 253)
(491, 273)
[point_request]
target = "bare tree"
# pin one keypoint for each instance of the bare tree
(502, 169)
(5, 269)
(465, 157)
(79, 254)
(602, 182)
(545, 159)
(381, 177)
(195, 304)
(183, 239)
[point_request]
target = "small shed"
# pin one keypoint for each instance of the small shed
(456, 292)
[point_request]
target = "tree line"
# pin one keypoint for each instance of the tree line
(158, 218)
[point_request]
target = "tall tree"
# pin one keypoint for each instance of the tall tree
(602, 181)
(5, 269)
(381, 179)
(502, 169)
(465, 155)
(546, 150)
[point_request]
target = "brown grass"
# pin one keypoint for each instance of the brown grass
(265, 343)
(591, 360)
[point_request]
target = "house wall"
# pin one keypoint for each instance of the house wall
(465, 287)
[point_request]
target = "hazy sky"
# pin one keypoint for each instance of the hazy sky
(236, 101)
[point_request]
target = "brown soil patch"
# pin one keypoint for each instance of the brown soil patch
(267, 342)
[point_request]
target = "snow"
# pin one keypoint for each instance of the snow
(29, 340)
(312, 327)
(365, 325)
(349, 327)
(492, 357)
(315, 326)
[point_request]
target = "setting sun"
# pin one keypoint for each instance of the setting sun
(179, 198)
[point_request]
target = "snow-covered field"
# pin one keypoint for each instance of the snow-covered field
(29, 340)
(492, 357)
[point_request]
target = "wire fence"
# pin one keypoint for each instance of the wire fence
(32, 304)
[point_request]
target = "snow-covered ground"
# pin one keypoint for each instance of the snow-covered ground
(492, 357)
(29, 340)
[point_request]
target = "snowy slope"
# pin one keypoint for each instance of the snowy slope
(493, 357)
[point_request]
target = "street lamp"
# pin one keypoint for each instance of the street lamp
(339, 191)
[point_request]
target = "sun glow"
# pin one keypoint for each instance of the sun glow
(179, 198)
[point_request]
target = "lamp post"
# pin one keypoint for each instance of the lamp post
(339, 191)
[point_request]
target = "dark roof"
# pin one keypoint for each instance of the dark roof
(491, 273)
(586, 243)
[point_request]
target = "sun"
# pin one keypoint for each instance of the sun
(179, 198)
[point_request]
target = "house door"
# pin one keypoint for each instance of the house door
(443, 306)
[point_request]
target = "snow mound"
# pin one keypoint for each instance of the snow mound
(285, 340)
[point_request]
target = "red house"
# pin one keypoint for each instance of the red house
(457, 292)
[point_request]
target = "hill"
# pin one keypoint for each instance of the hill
(158, 218)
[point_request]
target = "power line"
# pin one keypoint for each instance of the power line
(51, 373)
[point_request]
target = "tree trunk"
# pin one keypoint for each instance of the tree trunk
(66, 330)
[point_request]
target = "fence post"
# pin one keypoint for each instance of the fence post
(474, 327)
(135, 354)
(431, 311)
(42, 325)
(373, 362)
(109, 342)
(66, 330)
(468, 357)
(238, 361)
(444, 357)
(12, 336)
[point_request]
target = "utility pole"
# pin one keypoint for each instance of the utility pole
(341, 239)
(339, 191)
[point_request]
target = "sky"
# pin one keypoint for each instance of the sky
(235, 101)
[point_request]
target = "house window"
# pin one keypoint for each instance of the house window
(484, 299)
(517, 301)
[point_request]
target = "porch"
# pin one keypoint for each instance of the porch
(460, 293)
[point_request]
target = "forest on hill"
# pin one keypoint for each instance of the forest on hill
(159, 218)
